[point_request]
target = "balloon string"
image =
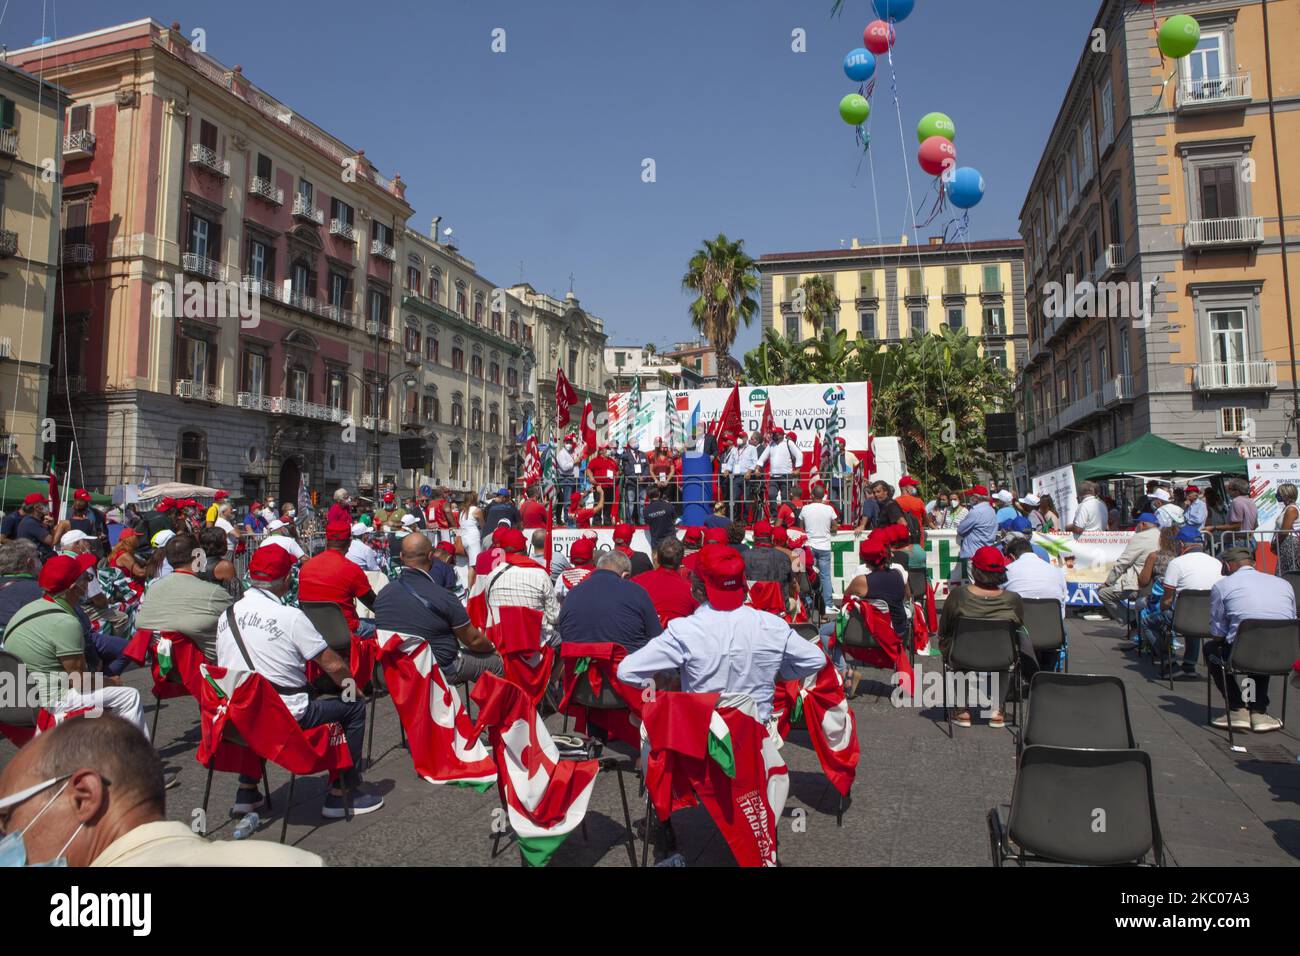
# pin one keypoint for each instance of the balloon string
(1160, 97)
(902, 143)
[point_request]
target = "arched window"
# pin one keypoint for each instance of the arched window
(435, 284)
(192, 457)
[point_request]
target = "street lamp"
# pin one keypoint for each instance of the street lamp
(410, 380)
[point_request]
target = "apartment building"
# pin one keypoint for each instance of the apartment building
(565, 335)
(627, 364)
(701, 357)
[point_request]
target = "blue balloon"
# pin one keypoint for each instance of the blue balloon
(896, 10)
(859, 65)
(966, 188)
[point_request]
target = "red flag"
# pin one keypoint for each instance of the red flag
(588, 430)
(729, 424)
(564, 397)
(765, 427)
(532, 462)
(831, 727)
(54, 493)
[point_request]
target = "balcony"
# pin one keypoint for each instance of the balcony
(919, 292)
(1077, 411)
(198, 391)
(79, 144)
(336, 313)
(78, 253)
(1213, 93)
(343, 230)
(303, 209)
(1223, 233)
(68, 385)
(8, 243)
(1117, 391)
(994, 290)
(265, 288)
(368, 423)
(1235, 376)
(413, 358)
(8, 142)
(1114, 258)
(994, 330)
(954, 292)
(308, 303)
(383, 331)
(265, 189)
(203, 266)
(208, 160)
(383, 250)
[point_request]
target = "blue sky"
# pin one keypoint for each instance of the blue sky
(534, 155)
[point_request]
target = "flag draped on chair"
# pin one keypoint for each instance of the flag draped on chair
(831, 726)
(565, 396)
(545, 797)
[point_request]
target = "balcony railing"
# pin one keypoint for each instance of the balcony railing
(78, 253)
(368, 423)
(917, 292)
(280, 405)
(1114, 256)
(205, 158)
(201, 391)
(9, 142)
(79, 144)
(265, 189)
(1117, 390)
(413, 358)
(8, 243)
(1235, 376)
(385, 332)
(1077, 411)
(1238, 231)
(343, 230)
(265, 288)
(383, 250)
(303, 209)
(69, 385)
(202, 265)
(1213, 92)
(336, 313)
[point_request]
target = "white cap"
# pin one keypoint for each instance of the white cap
(161, 538)
(360, 528)
(504, 521)
(268, 514)
(1031, 500)
(275, 525)
(409, 520)
(1005, 497)
(1160, 494)
(72, 537)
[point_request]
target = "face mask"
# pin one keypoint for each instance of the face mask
(13, 850)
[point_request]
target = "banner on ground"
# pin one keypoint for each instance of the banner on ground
(1266, 474)
(802, 409)
(1059, 483)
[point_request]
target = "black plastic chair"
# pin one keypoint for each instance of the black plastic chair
(1046, 627)
(609, 700)
(1080, 808)
(917, 579)
(1079, 711)
(327, 617)
(982, 646)
(1266, 648)
(11, 670)
(1293, 578)
(1191, 620)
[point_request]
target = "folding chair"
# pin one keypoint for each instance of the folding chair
(1058, 795)
(983, 646)
(1191, 621)
(1266, 648)
(327, 617)
(1046, 628)
(1293, 578)
(17, 723)
(917, 580)
(609, 700)
(1077, 711)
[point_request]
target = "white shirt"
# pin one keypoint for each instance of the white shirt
(1032, 577)
(785, 457)
(1169, 514)
(564, 462)
(280, 641)
(1092, 515)
(281, 541)
(362, 555)
(819, 520)
(1193, 571)
(729, 461)
(747, 460)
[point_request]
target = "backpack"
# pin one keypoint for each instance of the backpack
(913, 527)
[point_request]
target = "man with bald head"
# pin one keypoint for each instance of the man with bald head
(90, 791)
(416, 605)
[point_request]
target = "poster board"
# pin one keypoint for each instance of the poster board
(1059, 483)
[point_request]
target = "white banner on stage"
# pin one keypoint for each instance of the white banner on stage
(802, 409)
(1265, 475)
(1059, 483)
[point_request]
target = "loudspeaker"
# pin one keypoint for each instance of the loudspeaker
(1000, 432)
(414, 452)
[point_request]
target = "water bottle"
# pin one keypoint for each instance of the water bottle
(247, 826)
(675, 860)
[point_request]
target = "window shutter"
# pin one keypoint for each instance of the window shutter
(6, 113)
(263, 166)
(78, 119)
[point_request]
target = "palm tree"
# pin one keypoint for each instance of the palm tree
(725, 280)
(821, 302)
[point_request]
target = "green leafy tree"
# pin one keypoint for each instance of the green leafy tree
(725, 281)
(821, 302)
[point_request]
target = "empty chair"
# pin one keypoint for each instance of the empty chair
(981, 646)
(1079, 711)
(17, 722)
(1293, 578)
(1191, 622)
(1264, 648)
(917, 579)
(1080, 807)
(1046, 627)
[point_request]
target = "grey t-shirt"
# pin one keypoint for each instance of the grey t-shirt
(184, 602)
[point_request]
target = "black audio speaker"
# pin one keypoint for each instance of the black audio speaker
(1000, 432)
(414, 452)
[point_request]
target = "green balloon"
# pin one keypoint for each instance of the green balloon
(936, 124)
(1179, 36)
(854, 109)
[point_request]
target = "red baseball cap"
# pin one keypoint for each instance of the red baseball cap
(270, 564)
(990, 559)
(35, 498)
(908, 480)
(715, 536)
(872, 551)
(575, 499)
(978, 490)
(778, 430)
(781, 536)
(1191, 488)
(582, 551)
(221, 493)
(446, 546)
(61, 571)
(338, 531)
(693, 537)
(762, 531)
(791, 436)
(128, 533)
(623, 533)
(167, 504)
(509, 539)
(723, 571)
(81, 494)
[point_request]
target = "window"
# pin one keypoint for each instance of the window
(453, 469)
(264, 167)
(462, 302)
(512, 377)
(1103, 363)
(1062, 193)
(296, 384)
(1203, 68)
(74, 222)
(478, 310)
(866, 285)
(1094, 247)
(1051, 211)
(208, 135)
(435, 285)
(303, 280)
(341, 211)
(1232, 420)
(427, 406)
(1125, 363)
(497, 321)
(412, 340)
(340, 293)
(252, 377)
(792, 327)
(998, 357)
(494, 373)
(196, 360)
(381, 232)
(1218, 192)
(867, 325)
(995, 322)
(1228, 335)
(79, 118)
(514, 326)
(992, 279)
(1074, 168)
(6, 113)
(573, 365)
(306, 191)
(378, 308)
(203, 239)
(458, 359)
(791, 283)
(413, 279)
(1107, 113)
(476, 366)
(1116, 226)
(457, 412)
(956, 319)
(337, 397)
(1087, 375)
(192, 458)
(915, 282)
(917, 320)
(494, 422)
(952, 279)
(259, 261)
(1088, 147)
(476, 419)
(431, 347)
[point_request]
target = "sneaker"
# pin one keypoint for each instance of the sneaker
(362, 803)
(998, 720)
(1189, 670)
(248, 799)
(171, 778)
(1240, 720)
(961, 718)
(1263, 723)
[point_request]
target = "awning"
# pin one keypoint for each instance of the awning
(1153, 457)
(15, 488)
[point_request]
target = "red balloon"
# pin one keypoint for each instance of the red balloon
(937, 154)
(878, 37)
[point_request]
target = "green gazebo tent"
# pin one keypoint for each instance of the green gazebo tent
(15, 488)
(1153, 457)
